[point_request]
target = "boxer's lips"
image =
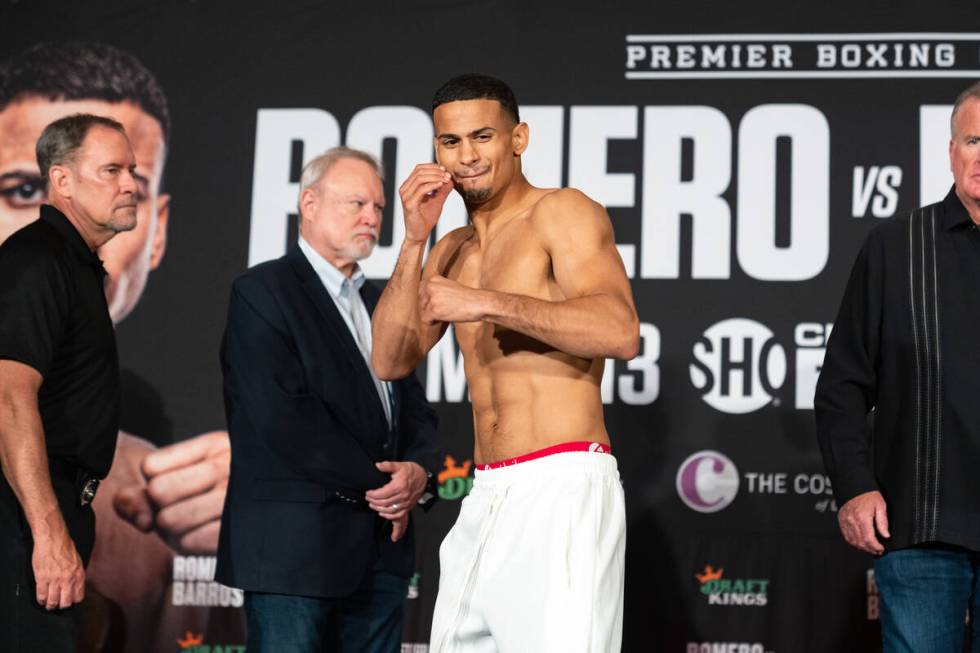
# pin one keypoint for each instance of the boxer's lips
(472, 176)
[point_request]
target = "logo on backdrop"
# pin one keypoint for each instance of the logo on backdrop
(413, 586)
(738, 366)
(839, 56)
(873, 614)
(194, 643)
(727, 591)
(707, 481)
(194, 584)
(726, 647)
(455, 480)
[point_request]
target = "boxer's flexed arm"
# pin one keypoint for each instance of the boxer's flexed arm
(399, 337)
(596, 320)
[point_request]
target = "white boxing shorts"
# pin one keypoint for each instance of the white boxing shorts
(535, 561)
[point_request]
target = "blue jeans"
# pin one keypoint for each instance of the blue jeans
(926, 593)
(368, 621)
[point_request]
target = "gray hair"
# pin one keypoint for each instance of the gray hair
(971, 93)
(61, 140)
(314, 171)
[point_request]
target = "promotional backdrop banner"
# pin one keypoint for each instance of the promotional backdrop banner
(743, 154)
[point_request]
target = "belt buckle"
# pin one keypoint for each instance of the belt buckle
(87, 494)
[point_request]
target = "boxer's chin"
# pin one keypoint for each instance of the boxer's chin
(476, 195)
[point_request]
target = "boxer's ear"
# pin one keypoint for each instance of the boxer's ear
(520, 137)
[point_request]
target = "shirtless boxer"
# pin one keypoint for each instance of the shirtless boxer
(539, 298)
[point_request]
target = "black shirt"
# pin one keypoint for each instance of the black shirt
(905, 346)
(54, 318)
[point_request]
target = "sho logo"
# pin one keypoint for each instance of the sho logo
(738, 366)
(707, 481)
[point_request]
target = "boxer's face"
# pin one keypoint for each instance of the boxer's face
(128, 257)
(480, 145)
(964, 150)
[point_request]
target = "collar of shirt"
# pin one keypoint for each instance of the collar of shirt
(333, 279)
(67, 230)
(954, 213)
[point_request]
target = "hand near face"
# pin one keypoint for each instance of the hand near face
(859, 519)
(423, 195)
(395, 499)
(184, 494)
(444, 300)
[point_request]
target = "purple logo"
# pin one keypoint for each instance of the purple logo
(707, 481)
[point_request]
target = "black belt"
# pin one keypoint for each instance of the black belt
(84, 481)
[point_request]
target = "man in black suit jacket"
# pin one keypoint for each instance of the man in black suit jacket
(327, 461)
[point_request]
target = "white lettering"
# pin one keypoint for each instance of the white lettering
(781, 56)
(945, 55)
(809, 133)
(634, 53)
(667, 197)
(274, 196)
(826, 55)
(591, 129)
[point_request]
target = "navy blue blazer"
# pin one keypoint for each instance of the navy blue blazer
(307, 427)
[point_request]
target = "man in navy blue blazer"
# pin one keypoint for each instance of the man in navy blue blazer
(327, 460)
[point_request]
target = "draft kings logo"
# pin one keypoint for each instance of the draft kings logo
(194, 643)
(455, 480)
(732, 591)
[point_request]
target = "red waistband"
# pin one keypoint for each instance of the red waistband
(564, 447)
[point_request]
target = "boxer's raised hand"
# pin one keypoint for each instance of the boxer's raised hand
(423, 195)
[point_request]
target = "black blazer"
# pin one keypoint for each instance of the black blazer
(307, 427)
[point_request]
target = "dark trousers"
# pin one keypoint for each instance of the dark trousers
(25, 626)
(368, 621)
(926, 594)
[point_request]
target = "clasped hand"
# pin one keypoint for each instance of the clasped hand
(397, 497)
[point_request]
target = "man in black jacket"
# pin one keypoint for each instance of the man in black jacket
(327, 460)
(904, 346)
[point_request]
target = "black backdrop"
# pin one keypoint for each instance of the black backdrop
(733, 197)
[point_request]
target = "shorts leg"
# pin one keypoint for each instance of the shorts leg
(457, 624)
(554, 574)
(925, 594)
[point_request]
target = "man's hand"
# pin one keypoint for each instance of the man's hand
(184, 495)
(395, 499)
(858, 519)
(423, 194)
(398, 527)
(444, 300)
(58, 569)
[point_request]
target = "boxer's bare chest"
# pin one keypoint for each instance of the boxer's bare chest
(512, 259)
